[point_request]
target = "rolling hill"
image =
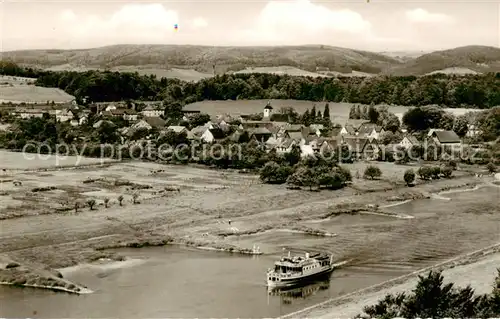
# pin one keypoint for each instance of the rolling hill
(479, 59)
(202, 58)
(194, 62)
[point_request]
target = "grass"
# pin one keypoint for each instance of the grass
(32, 94)
(339, 112)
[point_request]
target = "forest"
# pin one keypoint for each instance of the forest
(473, 91)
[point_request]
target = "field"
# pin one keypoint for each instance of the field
(339, 112)
(290, 70)
(32, 94)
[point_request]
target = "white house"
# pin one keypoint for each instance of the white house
(29, 113)
(285, 146)
(207, 136)
(409, 141)
(130, 115)
(472, 130)
(64, 115)
(151, 111)
(268, 111)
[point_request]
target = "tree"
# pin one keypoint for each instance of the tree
(373, 114)
(372, 172)
(274, 173)
(135, 196)
(106, 202)
(198, 119)
(460, 126)
(326, 112)
(491, 167)
(409, 177)
(173, 110)
(431, 298)
(120, 199)
(353, 113)
(91, 203)
(76, 207)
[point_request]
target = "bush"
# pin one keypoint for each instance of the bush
(436, 172)
(425, 172)
(452, 164)
(491, 167)
(409, 177)
(447, 171)
(372, 172)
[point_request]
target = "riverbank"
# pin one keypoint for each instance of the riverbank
(207, 211)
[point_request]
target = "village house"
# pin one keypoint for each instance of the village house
(352, 126)
(370, 130)
(445, 138)
(409, 141)
(285, 146)
(149, 123)
(178, 129)
(152, 111)
(99, 123)
(126, 114)
(260, 134)
(316, 128)
(64, 115)
(473, 130)
(25, 113)
(362, 147)
(206, 134)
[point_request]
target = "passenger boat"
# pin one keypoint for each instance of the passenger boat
(297, 270)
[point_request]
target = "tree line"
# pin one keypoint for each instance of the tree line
(478, 91)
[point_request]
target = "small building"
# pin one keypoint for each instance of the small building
(445, 138)
(260, 134)
(29, 113)
(473, 130)
(178, 129)
(409, 141)
(370, 130)
(361, 147)
(285, 146)
(152, 111)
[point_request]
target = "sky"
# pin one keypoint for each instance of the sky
(377, 25)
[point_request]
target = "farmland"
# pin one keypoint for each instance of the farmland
(32, 94)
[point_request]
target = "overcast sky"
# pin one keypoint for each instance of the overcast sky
(380, 25)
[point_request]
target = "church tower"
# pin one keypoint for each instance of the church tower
(268, 111)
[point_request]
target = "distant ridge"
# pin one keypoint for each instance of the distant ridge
(194, 62)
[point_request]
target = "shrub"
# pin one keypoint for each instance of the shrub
(452, 164)
(491, 167)
(91, 203)
(436, 172)
(409, 177)
(447, 171)
(425, 172)
(372, 172)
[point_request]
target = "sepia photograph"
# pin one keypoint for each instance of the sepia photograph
(250, 159)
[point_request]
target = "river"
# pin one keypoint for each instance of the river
(175, 281)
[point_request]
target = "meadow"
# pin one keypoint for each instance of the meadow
(32, 94)
(339, 112)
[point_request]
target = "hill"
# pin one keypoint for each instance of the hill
(479, 59)
(203, 58)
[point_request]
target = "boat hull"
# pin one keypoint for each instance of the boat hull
(294, 282)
